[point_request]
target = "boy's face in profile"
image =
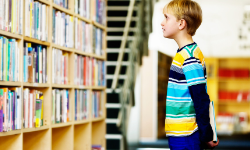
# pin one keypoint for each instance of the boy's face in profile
(170, 25)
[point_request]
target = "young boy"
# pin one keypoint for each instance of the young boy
(187, 122)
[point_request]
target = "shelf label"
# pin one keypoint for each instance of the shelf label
(35, 84)
(81, 86)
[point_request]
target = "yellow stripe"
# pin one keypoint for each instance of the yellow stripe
(180, 120)
(184, 54)
(180, 127)
(178, 57)
(180, 133)
(198, 54)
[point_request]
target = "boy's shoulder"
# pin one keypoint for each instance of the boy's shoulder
(189, 52)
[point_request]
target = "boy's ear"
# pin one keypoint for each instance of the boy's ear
(182, 24)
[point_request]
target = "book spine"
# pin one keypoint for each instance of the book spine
(1, 110)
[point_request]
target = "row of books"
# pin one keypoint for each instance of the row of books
(63, 29)
(10, 109)
(89, 69)
(98, 35)
(97, 147)
(98, 72)
(35, 63)
(9, 59)
(82, 70)
(11, 16)
(239, 96)
(82, 104)
(97, 104)
(62, 3)
(99, 11)
(36, 20)
(60, 61)
(32, 108)
(229, 123)
(233, 73)
(82, 34)
(82, 7)
(60, 106)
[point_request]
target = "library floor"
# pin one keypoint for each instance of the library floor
(236, 142)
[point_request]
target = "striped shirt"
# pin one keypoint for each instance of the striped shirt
(187, 101)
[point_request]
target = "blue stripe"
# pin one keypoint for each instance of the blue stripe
(178, 93)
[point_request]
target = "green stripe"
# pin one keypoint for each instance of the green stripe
(192, 50)
(178, 117)
(175, 108)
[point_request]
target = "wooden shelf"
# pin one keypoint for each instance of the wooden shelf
(9, 83)
(44, 1)
(233, 103)
(81, 122)
(10, 35)
(97, 119)
(36, 41)
(71, 135)
(66, 86)
(62, 48)
(234, 79)
(99, 57)
(98, 87)
(82, 18)
(83, 53)
(35, 84)
(82, 87)
(35, 129)
(99, 25)
(58, 125)
(67, 11)
(10, 133)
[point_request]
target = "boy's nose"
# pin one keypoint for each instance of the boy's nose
(162, 23)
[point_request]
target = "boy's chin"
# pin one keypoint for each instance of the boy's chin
(167, 36)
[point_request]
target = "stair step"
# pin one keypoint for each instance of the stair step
(113, 105)
(116, 50)
(113, 63)
(111, 120)
(113, 136)
(116, 38)
(121, 18)
(120, 77)
(120, 29)
(120, 8)
(110, 90)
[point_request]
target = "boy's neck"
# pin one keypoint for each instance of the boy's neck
(183, 40)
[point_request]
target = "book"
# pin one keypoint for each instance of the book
(212, 120)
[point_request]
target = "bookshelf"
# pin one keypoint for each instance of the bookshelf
(228, 86)
(74, 134)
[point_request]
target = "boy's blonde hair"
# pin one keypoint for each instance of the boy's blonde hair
(188, 10)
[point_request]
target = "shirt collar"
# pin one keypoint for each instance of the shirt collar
(185, 46)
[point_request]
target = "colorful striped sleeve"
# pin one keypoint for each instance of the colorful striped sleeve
(194, 73)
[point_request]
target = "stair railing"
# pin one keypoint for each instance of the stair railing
(123, 44)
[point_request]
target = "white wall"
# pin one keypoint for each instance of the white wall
(217, 35)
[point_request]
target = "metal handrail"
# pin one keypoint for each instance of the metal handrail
(123, 44)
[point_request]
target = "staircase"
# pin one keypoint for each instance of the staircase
(117, 11)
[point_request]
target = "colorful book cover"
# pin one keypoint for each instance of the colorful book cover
(30, 64)
(53, 106)
(40, 76)
(41, 98)
(37, 113)
(1, 57)
(75, 104)
(1, 110)
(68, 114)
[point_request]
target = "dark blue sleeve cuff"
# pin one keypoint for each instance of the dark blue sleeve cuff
(201, 102)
